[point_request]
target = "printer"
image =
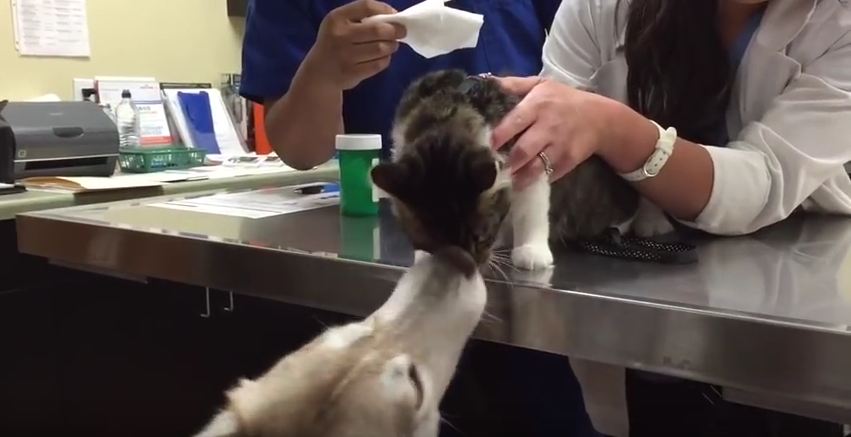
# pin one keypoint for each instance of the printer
(7, 150)
(58, 139)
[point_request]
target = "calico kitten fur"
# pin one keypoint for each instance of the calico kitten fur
(446, 183)
(442, 157)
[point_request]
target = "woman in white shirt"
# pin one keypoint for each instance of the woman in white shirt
(759, 92)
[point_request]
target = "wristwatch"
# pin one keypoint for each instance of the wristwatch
(653, 165)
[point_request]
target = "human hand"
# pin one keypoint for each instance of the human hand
(348, 51)
(563, 123)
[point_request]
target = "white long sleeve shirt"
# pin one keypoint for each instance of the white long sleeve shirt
(789, 116)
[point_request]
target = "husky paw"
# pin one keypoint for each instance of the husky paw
(532, 257)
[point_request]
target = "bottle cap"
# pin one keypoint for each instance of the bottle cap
(126, 94)
(358, 142)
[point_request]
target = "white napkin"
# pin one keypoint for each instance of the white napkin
(435, 29)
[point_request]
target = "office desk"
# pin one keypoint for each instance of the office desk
(35, 200)
(765, 316)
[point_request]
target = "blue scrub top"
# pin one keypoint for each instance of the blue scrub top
(737, 54)
(279, 34)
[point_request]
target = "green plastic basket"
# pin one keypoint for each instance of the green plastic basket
(151, 160)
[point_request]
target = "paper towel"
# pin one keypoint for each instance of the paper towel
(435, 29)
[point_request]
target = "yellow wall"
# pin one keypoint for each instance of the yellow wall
(172, 40)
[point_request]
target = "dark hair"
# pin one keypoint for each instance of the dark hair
(680, 74)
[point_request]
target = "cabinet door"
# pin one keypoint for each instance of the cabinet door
(259, 331)
(29, 380)
(29, 401)
(143, 356)
(136, 359)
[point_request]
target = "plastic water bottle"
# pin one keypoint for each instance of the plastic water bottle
(127, 121)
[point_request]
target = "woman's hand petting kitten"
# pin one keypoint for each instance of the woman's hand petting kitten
(550, 110)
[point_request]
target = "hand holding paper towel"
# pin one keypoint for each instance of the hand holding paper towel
(435, 29)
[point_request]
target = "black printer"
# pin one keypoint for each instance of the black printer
(56, 139)
(7, 150)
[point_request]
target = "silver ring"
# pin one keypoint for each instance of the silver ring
(548, 165)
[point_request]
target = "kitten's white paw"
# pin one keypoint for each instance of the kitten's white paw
(651, 223)
(532, 257)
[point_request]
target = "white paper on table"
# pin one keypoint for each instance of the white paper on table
(434, 29)
(216, 210)
(227, 136)
(146, 96)
(225, 172)
(254, 204)
(91, 183)
(51, 27)
(81, 184)
(249, 160)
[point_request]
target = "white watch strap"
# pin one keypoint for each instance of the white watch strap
(653, 166)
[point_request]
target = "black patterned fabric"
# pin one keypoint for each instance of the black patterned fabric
(632, 248)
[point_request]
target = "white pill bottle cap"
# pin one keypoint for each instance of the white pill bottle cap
(358, 142)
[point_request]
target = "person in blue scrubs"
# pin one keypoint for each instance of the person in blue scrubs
(319, 72)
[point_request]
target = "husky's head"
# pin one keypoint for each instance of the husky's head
(383, 376)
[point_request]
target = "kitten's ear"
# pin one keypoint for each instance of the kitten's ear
(223, 425)
(484, 174)
(392, 178)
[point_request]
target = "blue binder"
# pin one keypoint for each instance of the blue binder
(199, 119)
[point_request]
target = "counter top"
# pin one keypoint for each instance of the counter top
(768, 314)
(37, 200)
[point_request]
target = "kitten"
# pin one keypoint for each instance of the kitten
(447, 190)
(380, 377)
(442, 138)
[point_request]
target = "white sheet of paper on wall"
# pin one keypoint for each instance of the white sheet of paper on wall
(51, 28)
